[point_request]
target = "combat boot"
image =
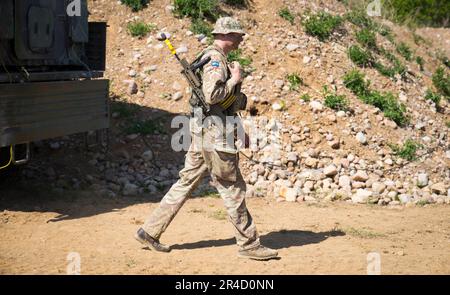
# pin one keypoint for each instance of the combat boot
(154, 244)
(258, 253)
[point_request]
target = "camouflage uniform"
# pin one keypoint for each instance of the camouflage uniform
(221, 161)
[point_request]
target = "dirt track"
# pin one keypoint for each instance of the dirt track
(39, 229)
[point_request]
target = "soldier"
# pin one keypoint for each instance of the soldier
(221, 88)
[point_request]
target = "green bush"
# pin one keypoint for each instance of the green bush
(140, 29)
(404, 51)
(199, 26)
(354, 80)
(321, 25)
(388, 104)
(305, 97)
(367, 38)
(287, 15)
(420, 62)
(360, 18)
(197, 9)
(397, 68)
(430, 95)
(294, 81)
(145, 127)
(407, 151)
(442, 82)
(135, 5)
(336, 102)
(236, 55)
(241, 3)
(360, 56)
(414, 12)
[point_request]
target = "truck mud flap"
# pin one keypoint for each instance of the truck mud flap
(43, 110)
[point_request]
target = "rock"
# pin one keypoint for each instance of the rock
(330, 170)
(177, 96)
(130, 189)
(182, 49)
(332, 118)
(344, 181)
(147, 155)
(392, 195)
(420, 126)
(378, 187)
(279, 83)
(360, 176)
(292, 157)
(169, 9)
(422, 180)
(292, 47)
(316, 106)
(55, 145)
(394, 203)
(132, 73)
(306, 59)
(310, 199)
(277, 107)
(334, 144)
(295, 138)
(361, 137)
(439, 188)
(404, 198)
(176, 86)
(132, 87)
(311, 162)
(361, 196)
(289, 194)
(131, 137)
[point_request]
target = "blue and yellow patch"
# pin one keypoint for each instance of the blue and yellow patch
(215, 63)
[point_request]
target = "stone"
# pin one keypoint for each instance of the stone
(340, 114)
(311, 162)
(361, 137)
(316, 106)
(334, 144)
(277, 107)
(330, 170)
(292, 47)
(279, 83)
(310, 199)
(361, 196)
(132, 73)
(295, 138)
(182, 49)
(292, 157)
(147, 155)
(422, 180)
(289, 194)
(404, 198)
(378, 187)
(344, 181)
(306, 59)
(439, 188)
(130, 189)
(360, 176)
(177, 96)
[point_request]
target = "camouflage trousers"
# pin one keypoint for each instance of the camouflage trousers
(230, 184)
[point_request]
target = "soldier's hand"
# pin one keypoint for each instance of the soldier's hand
(236, 72)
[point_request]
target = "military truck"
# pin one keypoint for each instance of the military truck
(52, 61)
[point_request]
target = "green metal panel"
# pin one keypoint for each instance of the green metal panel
(42, 110)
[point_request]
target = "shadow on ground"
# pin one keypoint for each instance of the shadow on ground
(275, 240)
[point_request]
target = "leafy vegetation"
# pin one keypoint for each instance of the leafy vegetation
(418, 13)
(199, 26)
(430, 95)
(359, 56)
(145, 127)
(420, 62)
(294, 81)
(407, 151)
(321, 25)
(197, 9)
(135, 5)
(140, 29)
(287, 15)
(405, 51)
(367, 38)
(441, 81)
(305, 97)
(236, 55)
(336, 102)
(354, 81)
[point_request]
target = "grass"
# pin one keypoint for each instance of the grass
(286, 14)
(145, 127)
(197, 9)
(334, 101)
(199, 26)
(434, 97)
(305, 97)
(422, 203)
(360, 18)
(417, 13)
(140, 29)
(441, 81)
(236, 55)
(295, 81)
(386, 102)
(135, 5)
(362, 233)
(219, 214)
(321, 25)
(354, 80)
(124, 110)
(397, 66)
(447, 124)
(367, 38)
(359, 56)
(420, 62)
(407, 151)
(405, 51)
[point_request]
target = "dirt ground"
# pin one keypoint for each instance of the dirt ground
(39, 229)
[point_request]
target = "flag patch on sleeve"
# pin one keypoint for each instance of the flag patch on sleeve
(215, 63)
